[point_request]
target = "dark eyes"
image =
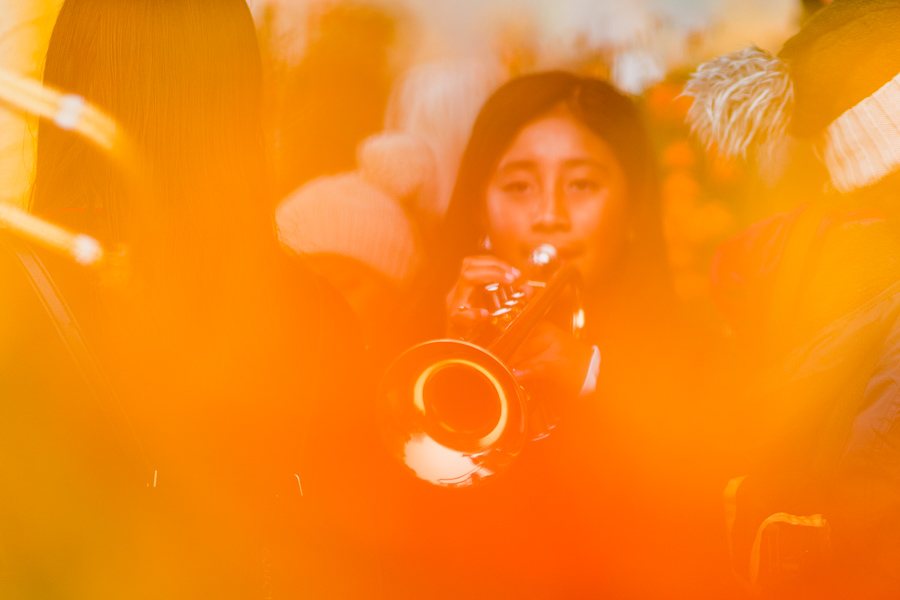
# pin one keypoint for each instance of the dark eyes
(584, 185)
(516, 187)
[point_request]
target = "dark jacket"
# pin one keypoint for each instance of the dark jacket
(205, 494)
(814, 294)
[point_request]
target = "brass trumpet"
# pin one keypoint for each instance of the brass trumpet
(68, 112)
(451, 410)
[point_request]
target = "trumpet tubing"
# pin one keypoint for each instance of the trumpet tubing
(69, 112)
(451, 411)
(81, 248)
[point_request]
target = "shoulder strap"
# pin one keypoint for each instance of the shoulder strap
(70, 333)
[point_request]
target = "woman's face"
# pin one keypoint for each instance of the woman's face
(558, 183)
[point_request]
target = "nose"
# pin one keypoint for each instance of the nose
(551, 214)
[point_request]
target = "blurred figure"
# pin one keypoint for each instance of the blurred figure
(812, 295)
(356, 229)
(182, 476)
(367, 231)
(703, 197)
(556, 158)
(438, 103)
(337, 95)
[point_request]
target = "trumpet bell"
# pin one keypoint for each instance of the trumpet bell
(451, 412)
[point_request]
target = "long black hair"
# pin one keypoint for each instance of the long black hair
(183, 81)
(603, 110)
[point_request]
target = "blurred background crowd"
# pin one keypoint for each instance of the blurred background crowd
(390, 130)
(338, 72)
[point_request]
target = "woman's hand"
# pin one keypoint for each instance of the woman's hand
(463, 317)
(550, 363)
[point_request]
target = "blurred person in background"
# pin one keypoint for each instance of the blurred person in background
(219, 348)
(812, 296)
(604, 504)
(357, 231)
(437, 103)
(367, 231)
(336, 96)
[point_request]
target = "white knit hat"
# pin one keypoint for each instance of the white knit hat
(361, 215)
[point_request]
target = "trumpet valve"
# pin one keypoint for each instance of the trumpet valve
(496, 296)
(502, 317)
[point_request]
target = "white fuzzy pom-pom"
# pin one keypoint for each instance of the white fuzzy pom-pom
(740, 99)
(398, 163)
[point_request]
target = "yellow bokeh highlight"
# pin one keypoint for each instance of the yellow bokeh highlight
(25, 27)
